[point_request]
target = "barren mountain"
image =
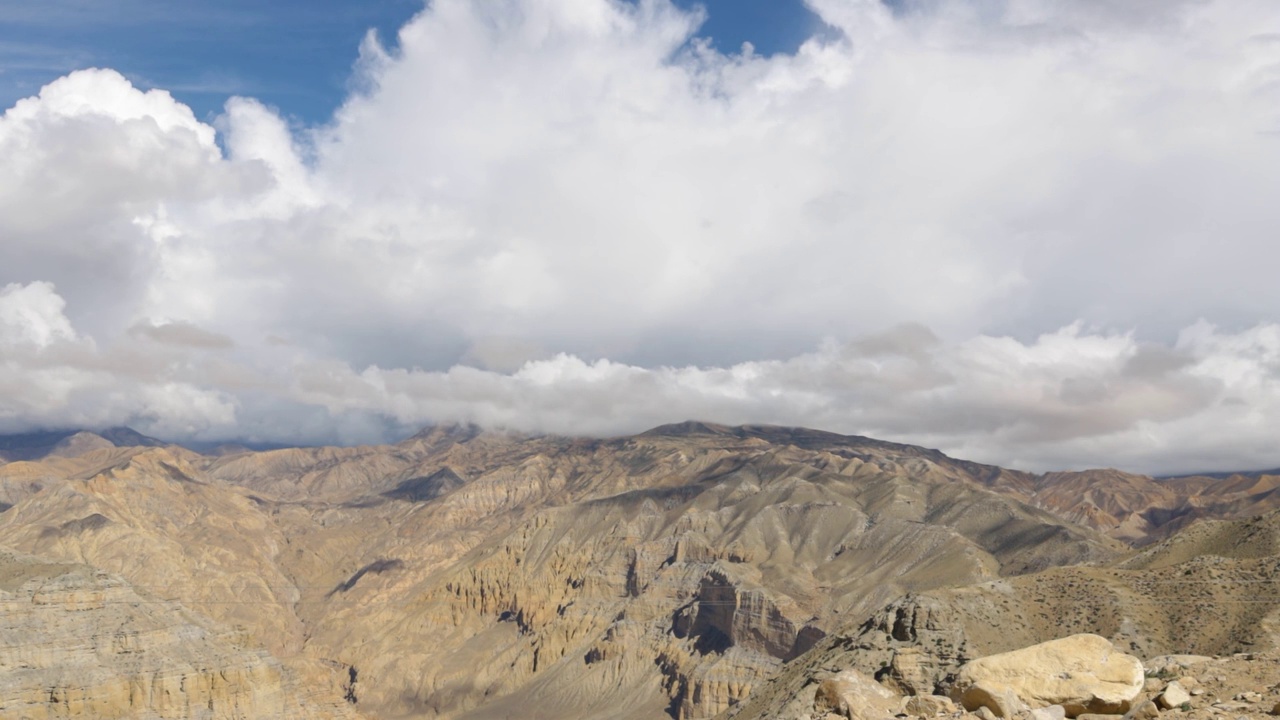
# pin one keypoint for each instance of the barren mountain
(1140, 509)
(41, 444)
(464, 573)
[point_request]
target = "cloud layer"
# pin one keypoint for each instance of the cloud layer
(1030, 232)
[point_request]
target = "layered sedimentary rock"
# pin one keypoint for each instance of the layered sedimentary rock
(79, 643)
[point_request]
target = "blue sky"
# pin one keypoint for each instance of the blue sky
(295, 55)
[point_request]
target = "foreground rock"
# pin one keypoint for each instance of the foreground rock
(1174, 695)
(853, 695)
(1082, 673)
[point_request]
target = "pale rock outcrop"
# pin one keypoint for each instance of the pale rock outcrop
(853, 695)
(929, 705)
(1146, 710)
(1173, 696)
(1001, 700)
(1053, 712)
(1173, 663)
(1083, 673)
(911, 672)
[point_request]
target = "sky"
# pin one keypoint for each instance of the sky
(295, 56)
(1037, 233)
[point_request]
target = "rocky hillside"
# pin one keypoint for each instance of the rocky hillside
(1140, 510)
(1210, 590)
(77, 642)
(464, 573)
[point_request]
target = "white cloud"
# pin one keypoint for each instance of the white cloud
(52, 376)
(31, 316)
(625, 227)
(1070, 398)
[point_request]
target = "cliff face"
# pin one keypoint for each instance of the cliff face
(668, 571)
(79, 643)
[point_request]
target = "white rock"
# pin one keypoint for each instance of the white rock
(1173, 696)
(1083, 673)
(1053, 712)
(856, 696)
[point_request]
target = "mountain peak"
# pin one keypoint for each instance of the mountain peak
(688, 428)
(451, 432)
(122, 436)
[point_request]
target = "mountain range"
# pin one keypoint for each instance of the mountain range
(689, 571)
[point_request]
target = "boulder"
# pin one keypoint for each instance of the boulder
(1146, 710)
(1001, 700)
(855, 696)
(1172, 696)
(929, 705)
(1083, 673)
(1053, 712)
(911, 672)
(1191, 684)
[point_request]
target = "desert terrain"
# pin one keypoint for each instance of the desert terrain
(691, 571)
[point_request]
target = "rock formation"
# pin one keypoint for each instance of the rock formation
(79, 643)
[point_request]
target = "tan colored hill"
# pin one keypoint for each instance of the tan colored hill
(1139, 509)
(21, 479)
(154, 519)
(79, 643)
(1124, 505)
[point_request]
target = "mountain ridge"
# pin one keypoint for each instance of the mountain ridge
(674, 572)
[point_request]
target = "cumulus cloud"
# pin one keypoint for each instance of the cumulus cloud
(573, 215)
(54, 377)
